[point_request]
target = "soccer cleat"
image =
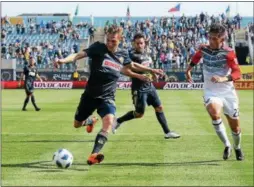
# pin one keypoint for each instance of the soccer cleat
(24, 109)
(172, 134)
(38, 109)
(95, 158)
(239, 154)
(227, 153)
(114, 126)
(89, 127)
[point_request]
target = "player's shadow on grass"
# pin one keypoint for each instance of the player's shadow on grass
(161, 164)
(43, 166)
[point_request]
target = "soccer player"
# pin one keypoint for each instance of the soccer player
(107, 63)
(220, 69)
(30, 73)
(144, 92)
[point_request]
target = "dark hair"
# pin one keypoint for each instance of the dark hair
(217, 28)
(138, 36)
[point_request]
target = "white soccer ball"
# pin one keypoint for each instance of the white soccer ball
(63, 158)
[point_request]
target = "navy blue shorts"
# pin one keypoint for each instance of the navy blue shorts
(29, 88)
(140, 99)
(88, 105)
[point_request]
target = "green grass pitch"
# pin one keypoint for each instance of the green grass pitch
(138, 155)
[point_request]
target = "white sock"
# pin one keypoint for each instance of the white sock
(221, 132)
(88, 121)
(237, 139)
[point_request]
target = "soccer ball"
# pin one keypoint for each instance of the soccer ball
(63, 158)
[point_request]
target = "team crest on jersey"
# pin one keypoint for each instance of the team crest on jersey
(121, 59)
(220, 57)
(111, 65)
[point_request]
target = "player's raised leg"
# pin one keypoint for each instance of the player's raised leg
(139, 101)
(85, 109)
(214, 107)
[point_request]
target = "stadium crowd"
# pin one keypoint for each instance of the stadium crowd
(44, 41)
(171, 41)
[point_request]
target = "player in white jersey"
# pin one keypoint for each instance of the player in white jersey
(220, 69)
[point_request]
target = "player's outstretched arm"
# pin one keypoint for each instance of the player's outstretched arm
(126, 70)
(21, 78)
(72, 58)
(38, 77)
(188, 74)
(141, 68)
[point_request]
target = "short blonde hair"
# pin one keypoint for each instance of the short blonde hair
(115, 30)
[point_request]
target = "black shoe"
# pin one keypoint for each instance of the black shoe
(239, 154)
(227, 153)
(23, 109)
(37, 109)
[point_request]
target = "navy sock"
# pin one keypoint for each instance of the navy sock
(162, 120)
(25, 102)
(33, 101)
(128, 116)
(100, 141)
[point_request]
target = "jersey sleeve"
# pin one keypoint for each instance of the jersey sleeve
(96, 49)
(127, 60)
(196, 58)
(232, 62)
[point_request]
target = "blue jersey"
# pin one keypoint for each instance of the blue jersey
(30, 74)
(145, 60)
(104, 70)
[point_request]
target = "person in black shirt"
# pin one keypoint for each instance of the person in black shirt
(30, 74)
(144, 92)
(108, 61)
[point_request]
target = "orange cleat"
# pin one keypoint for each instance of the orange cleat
(89, 127)
(95, 158)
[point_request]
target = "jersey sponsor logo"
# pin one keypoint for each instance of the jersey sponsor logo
(111, 65)
(53, 85)
(183, 86)
(31, 73)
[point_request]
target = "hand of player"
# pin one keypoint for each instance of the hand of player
(154, 77)
(158, 72)
(19, 84)
(188, 77)
(57, 62)
(218, 79)
(144, 78)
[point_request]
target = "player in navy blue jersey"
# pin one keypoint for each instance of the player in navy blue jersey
(144, 92)
(30, 73)
(108, 61)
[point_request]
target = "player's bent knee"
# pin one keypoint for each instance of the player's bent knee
(158, 109)
(138, 115)
(236, 130)
(77, 124)
(215, 116)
